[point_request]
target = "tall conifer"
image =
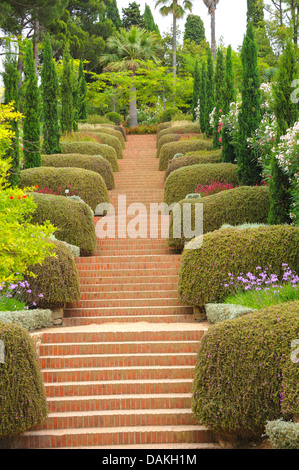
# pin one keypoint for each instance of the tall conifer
(81, 99)
(219, 96)
(230, 96)
(210, 93)
(67, 93)
(202, 97)
(196, 90)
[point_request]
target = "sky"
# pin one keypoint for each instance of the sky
(230, 19)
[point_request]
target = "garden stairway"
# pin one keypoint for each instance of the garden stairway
(119, 373)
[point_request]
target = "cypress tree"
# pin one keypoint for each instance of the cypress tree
(31, 111)
(202, 97)
(49, 87)
(210, 93)
(219, 96)
(249, 170)
(81, 101)
(112, 14)
(230, 96)
(149, 22)
(67, 93)
(196, 90)
(286, 113)
(194, 29)
(11, 79)
(75, 93)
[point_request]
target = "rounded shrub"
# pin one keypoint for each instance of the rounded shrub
(92, 148)
(165, 139)
(73, 220)
(114, 117)
(168, 114)
(22, 398)
(106, 130)
(163, 125)
(119, 128)
(245, 204)
(87, 184)
(185, 180)
(56, 279)
(110, 140)
(238, 375)
(206, 261)
(199, 157)
(94, 163)
(168, 150)
(179, 127)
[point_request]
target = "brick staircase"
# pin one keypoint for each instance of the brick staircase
(119, 373)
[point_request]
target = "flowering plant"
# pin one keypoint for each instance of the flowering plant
(213, 187)
(13, 296)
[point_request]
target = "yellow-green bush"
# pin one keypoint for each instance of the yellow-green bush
(178, 127)
(163, 125)
(107, 139)
(204, 268)
(92, 148)
(118, 128)
(239, 371)
(22, 398)
(87, 184)
(168, 150)
(95, 163)
(184, 180)
(199, 157)
(245, 204)
(106, 130)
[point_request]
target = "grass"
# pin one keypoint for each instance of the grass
(266, 297)
(11, 304)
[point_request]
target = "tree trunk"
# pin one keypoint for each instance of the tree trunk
(133, 108)
(213, 32)
(35, 43)
(174, 45)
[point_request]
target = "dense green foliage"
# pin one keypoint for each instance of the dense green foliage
(81, 98)
(196, 91)
(228, 150)
(26, 406)
(168, 150)
(194, 29)
(92, 148)
(219, 97)
(67, 105)
(193, 158)
(239, 371)
(178, 127)
(210, 93)
(168, 114)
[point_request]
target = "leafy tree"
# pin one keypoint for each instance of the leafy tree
(132, 16)
(202, 97)
(31, 110)
(255, 12)
(67, 113)
(194, 29)
(210, 93)
(82, 90)
(249, 170)
(11, 78)
(112, 13)
(149, 22)
(219, 96)
(49, 90)
(196, 90)
(228, 150)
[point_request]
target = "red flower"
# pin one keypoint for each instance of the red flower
(24, 196)
(11, 197)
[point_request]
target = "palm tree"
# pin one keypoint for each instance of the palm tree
(211, 4)
(177, 11)
(128, 50)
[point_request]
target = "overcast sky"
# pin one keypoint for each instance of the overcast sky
(230, 19)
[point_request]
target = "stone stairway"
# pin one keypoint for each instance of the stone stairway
(119, 373)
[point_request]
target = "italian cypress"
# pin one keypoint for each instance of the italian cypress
(196, 90)
(219, 96)
(81, 99)
(230, 96)
(49, 88)
(202, 97)
(149, 22)
(210, 93)
(249, 169)
(11, 79)
(194, 29)
(75, 93)
(112, 14)
(67, 93)
(31, 111)
(286, 113)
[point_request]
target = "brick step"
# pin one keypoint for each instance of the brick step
(116, 436)
(138, 244)
(116, 360)
(133, 265)
(126, 288)
(122, 303)
(107, 260)
(120, 418)
(120, 402)
(131, 272)
(121, 373)
(182, 446)
(171, 318)
(117, 387)
(114, 251)
(126, 295)
(107, 311)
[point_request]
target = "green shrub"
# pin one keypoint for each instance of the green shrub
(179, 116)
(238, 374)
(97, 119)
(164, 125)
(95, 163)
(234, 206)
(31, 320)
(199, 157)
(168, 114)
(92, 148)
(185, 180)
(165, 139)
(168, 150)
(119, 128)
(87, 184)
(204, 268)
(290, 389)
(73, 220)
(114, 117)
(110, 140)
(57, 279)
(105, 129)
(283, 434)
(22, 398)
(179, 127)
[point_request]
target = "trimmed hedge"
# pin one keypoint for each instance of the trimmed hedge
(106, 130)
(238, 374)
(118, 128)
(87, 184)
(199, 157)
(245, 204)
(73, 220)
(168, 150)
(184, 180)
(204, 268)
(114, 117)
(163, 125)
(57, 279)
(22, 398)
(31, 320)
(107, 139)
(92, 148)
(95, 163)
(165, 139)
(179, 127)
